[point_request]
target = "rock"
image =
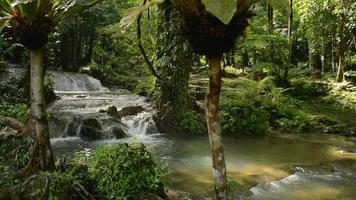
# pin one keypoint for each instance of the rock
(92, 122)
(90, 129)
(112, 111)
(3, 66)
(89, 133)
(71, 129)
(118, 132)
(80, 96)
(132, 110)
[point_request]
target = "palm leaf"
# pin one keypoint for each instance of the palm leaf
(133, 13)
(72, 9)
(4, 21)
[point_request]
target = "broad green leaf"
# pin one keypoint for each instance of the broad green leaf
(73, 9)
(281, 5)
(133, 13)
(224, 10)
(3, 21)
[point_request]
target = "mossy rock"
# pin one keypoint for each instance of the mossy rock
(3, 66)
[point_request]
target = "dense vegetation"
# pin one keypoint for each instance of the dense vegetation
(286, 68)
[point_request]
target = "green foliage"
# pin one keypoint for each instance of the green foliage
(302, 89)
(146, 87)
(15, 152)
(123, 171)
(189, 122)
(72, 173)
(13, 102)
(254, 107)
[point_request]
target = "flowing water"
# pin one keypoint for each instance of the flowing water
(276, 167)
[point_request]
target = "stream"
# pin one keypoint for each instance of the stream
(275, 167)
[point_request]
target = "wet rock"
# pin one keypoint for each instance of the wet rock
(131, 110)
(89, 133)
(80, 96)
(115, 132)
(112, 111)
(152, 129)
(90, 129)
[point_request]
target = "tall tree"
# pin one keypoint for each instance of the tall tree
(32, 21)
(342, 43)
(290, 41)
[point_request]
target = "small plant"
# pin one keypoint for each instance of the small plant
(124, 171)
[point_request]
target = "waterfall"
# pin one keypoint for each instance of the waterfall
(66, 81)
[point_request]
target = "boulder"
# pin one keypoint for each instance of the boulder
(89, 133)
(112, 111)
(115, 132)
(90, 129)
(131, 110)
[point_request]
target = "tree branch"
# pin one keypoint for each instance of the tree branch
(140, 46)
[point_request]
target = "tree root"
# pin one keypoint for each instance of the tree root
(24, 186)
(82, 192)
(12, 123)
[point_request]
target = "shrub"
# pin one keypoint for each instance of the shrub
(254, 107)
(305, 90)
(189, 122)
(123, 171)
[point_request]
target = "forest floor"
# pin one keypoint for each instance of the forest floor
(332, 111)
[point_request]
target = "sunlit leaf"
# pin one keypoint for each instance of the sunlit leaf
(3, 22)
(133, 13)
(224, 10)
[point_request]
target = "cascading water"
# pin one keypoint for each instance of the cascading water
(79, 119)
(66, 81)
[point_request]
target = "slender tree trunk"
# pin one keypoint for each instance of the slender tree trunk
(42, 156)
(333, 65)
(214, 128)
(322, 56)
(290, 43)
(341, 70)
(270, 18)
(316, 64)
(245, 60)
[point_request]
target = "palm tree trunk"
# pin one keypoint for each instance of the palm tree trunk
(42, 156)
(214, 128)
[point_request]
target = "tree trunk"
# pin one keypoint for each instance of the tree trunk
(214, 128)
(341, 70)
(174, 72)
(290, 42)
(316, 64)
(270, 18)
(245, 61)
(42, 157)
